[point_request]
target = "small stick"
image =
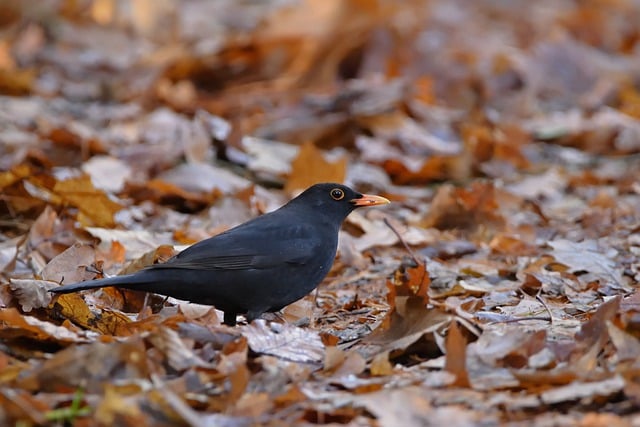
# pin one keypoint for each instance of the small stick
(406, 246)
(522, 319)
(544, 304)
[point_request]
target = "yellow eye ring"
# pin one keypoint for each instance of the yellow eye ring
(337, 194)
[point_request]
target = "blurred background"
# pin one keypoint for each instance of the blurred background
(416, 90)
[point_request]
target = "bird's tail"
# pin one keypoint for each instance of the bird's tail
(127, 281)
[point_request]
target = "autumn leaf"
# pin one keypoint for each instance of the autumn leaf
(310, 167)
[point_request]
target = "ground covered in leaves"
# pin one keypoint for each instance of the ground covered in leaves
(499, 287)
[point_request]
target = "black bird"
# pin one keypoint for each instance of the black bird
(260, 266)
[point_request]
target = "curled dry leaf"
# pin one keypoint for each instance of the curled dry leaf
(50, 235)
(593, 336)
(627, 346)
(32, 293)
(9, 252)
(14, 325)
(179, 355)
(508, 346)
(410, 322)
(456, 355)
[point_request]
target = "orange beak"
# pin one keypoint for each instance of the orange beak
(369, 200)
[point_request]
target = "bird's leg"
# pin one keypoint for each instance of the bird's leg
(253, 315)
(230, 318)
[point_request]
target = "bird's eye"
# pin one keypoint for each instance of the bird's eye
(337, 194)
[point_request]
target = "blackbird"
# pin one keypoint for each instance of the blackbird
(260, 266)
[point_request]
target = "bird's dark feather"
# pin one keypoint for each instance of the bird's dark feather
(259, 266)
(238, 250)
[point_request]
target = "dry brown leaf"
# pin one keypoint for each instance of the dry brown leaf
(627, 346)
(75, 264)
(408, 323)
(593, 336)
(410, 407)
(49, 235)
(380, 365)
(587, 256)
(509, 244)
(105, 321)
(96, 208)
(410, 280)
(285, 341)
(179, 356)
(22, 405)
(32, 293)
(509, 346)
(310, 167)
(9, 252)
(456, 355)
(341, 363)
(14, 325)
(465, 208)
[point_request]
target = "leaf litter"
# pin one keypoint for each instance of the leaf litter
(499, 287)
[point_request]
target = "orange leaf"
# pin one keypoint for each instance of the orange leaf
(310, 167)
(94, 205)
(456, 356)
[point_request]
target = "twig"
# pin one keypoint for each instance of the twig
(544, 304)
(522, 319)
(406, 246)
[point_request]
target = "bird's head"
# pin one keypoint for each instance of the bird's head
(335, 200)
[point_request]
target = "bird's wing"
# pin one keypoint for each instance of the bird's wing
(249, 248)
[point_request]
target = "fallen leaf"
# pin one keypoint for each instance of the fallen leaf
(96, 208)
(285, 341)
(179, 355)
(71, 266)
(16, 325)
(589, 391)
(408, 323)
(310, 167)
(456, 355)
(106, 321)
(32, 293)
(103, 361)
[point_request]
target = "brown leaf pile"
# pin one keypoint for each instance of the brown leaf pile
(499, 287)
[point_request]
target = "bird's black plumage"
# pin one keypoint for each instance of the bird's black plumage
(259, 266)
